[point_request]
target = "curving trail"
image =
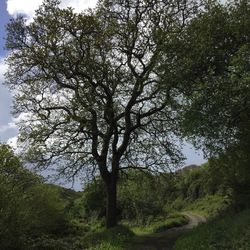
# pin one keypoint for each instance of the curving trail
(166, 240)
(194, 220)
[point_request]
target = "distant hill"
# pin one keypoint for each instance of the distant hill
(188, 168)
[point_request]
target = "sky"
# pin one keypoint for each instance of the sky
(7, 127)
(9, 9)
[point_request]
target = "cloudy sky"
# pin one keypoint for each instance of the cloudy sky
(9, 9)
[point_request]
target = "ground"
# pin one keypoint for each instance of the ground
(165, 240)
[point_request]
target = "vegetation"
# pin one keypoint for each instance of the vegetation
(106, 93)
(218, 74)
(91, 86)
(28, 207)
(229, 232)
(108, 238)
(209, 206)
(57, 218)
(160, 224)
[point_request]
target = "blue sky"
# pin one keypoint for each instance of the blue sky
(4, 18)
(9, 9)
(8, 130)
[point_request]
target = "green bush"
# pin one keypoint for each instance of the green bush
(94, 199)
(29, 208)
(108, 237)
(46, 242)
(136, 199)
(210, 206)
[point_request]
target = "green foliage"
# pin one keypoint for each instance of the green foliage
(232, 169)
(46, 242)
(107, 246)
(170, 223)
(136, 201)
(94, 199)
(50, 242)
(177, 204)
(160, 224)
(192, 183)
(136, 198)
(230, 232)
(203, 190)
(217, 108)
(28, 207)
(114, 237)
(91, 86)
(46, 211)
(209, 206)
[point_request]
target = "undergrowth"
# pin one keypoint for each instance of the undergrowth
(110, 239)
(231, 232)
(209, 206)
(160, 224)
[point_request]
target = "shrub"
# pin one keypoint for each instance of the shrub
(113, 237)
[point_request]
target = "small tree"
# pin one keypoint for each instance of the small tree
(90, 86)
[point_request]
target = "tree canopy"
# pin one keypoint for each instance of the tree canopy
(217, 108)
(92, 88)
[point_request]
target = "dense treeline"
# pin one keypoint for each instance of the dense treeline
(30, 209)
(142, 196)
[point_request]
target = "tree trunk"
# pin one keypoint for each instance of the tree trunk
(111, 209)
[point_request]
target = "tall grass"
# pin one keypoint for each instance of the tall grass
(209, 206)
(110, 239)
(160, 224)
(231, 232)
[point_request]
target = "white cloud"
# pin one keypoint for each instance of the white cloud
(3, 68)
(79, 5)
(13, 142)
(28, 7)
(22, 117)
(10, 125)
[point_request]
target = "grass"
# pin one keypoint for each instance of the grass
(110, 239)
(116, 238)
(209, 206)
(104, 239)
(231, 232)
(160, 224)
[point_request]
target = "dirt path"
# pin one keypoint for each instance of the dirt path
(166, 240)
(194, 220)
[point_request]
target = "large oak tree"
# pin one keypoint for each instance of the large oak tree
(91, 86)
